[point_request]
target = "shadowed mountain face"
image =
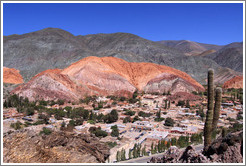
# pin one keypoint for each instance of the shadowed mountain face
(52, 48)
(230, 56)
(106, 76)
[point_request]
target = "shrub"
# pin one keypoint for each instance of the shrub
(143, 114)
(91, 121)
(101, 133)
(181, 103)
(39, 122)
(130, 113)
(111, 144)
(98, 132)
(46, 131)
(16, 125)
(169, 122)
(115, 131)
(126, 120)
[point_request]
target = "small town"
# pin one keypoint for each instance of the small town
(143, 125)
(121, 82)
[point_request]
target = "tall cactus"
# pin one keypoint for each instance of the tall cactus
(209, 116)
(217, 106)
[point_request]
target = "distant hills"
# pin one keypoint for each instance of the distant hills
(51, 48)
(190, 48)
(230, 55)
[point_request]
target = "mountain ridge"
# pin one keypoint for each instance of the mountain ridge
(52, 48)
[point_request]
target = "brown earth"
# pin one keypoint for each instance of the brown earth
(11, 76)
(106, 76)
(236, 82)
(59, 147)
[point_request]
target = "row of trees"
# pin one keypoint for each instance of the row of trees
(167, 104)
(161, 146)
(121, 155)
(80, 114)
(236, 94)
(158, 116)
(183, 103)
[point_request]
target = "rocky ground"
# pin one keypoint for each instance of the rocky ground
(25, 146)
(223, 150)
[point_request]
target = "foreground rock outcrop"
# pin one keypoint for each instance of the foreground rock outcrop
(59, 147)
(223, 150)
(235, 82)
(174, 155)
(226, 150)
(11, 76)
(106, 76)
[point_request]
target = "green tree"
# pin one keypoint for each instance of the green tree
(101, 133)
(118, 156)
(187, 104)
(16, 125)
(46, 131)
(123, 154)
(30, 111)
(174, 141)
(144, 153)
(126, 119)
(135, 151)
(169, 122)
(158, 114)
(135, 94)
(130, 154)
(181, 103)
(168, 144)
(115, 131)
(130, 113)
(152, 148)
(169, 102)
(71, 122)
(136, 118)
(63, 124)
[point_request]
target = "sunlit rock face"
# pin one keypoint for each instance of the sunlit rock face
(235, 82)
(106, 76)
(12, 76)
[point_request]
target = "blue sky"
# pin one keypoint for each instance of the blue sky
(214, 23)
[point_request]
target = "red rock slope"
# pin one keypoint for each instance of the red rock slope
(236, 82)
(12, 76)
(106, 76)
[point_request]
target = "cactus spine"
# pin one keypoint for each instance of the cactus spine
(209, 116)
(217, 106)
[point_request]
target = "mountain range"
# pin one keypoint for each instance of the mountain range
(51, 48)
